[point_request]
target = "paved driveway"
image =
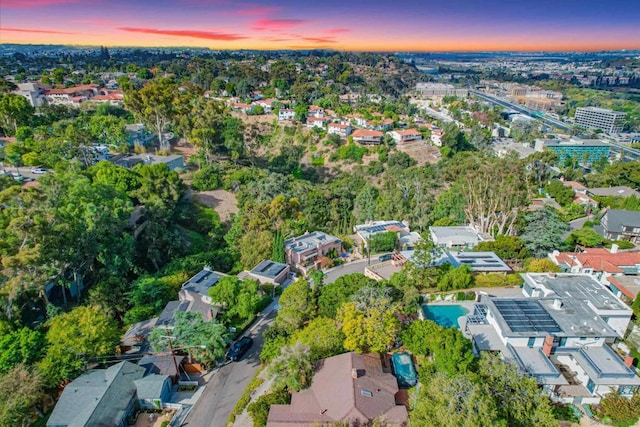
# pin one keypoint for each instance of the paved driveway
(331, 275)
(225, 386)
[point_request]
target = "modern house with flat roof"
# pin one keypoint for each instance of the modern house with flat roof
(480, 262)
(559, 333)
(269, 272)
(609, 267)
(303, 253)
(192, 297)
(350, 388)
(463, 236)
(407, 239)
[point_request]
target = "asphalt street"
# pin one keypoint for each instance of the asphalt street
(225, 386)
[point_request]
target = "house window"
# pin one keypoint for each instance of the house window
(627, 390)
(563, 342)
(531, 342)
(591, 386)
(583, 338)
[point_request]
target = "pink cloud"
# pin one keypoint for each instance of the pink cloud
(277, 24)
(254, 10)
(34, 3)
(95, 21)
(29, 30)
(336, 30)
(209, 35)
(319, 39)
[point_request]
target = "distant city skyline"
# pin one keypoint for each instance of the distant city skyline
(404, 25)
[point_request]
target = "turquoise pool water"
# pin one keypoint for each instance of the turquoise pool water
(444, 315)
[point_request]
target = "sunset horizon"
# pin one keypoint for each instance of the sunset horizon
(411, 26)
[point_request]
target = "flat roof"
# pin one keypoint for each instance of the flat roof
(526, 315)
(202, 281)
(479, 261)
(309, 241)
(576, 289)
(602, 365)
(376, 227)
(534, 362)
(270, 269)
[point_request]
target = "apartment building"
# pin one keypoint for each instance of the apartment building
(606, 120)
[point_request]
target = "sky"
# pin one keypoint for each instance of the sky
(361, 25)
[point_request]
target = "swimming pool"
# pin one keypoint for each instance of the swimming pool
(445, 315)
(404, 370)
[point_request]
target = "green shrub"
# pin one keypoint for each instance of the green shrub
(207, 178)
(622, 244)
(259, 410)
(351, 152)
(246, 397)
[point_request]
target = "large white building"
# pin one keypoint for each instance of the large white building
(560, 333)
(600, 118)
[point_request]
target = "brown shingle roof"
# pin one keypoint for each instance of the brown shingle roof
(362, 399)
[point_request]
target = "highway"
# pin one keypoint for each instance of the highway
(523, 110)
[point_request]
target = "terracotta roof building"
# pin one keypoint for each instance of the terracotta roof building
(350, 388)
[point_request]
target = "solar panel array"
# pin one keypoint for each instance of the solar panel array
(526, 316)
(380, 228)
(204, 278)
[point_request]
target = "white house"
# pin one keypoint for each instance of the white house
(315, 111)
(343, 130)
(404, 136)
(315, 122)
(286, 114)
(559, 333)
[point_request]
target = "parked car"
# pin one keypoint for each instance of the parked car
(39, 171)
(385, 257)
(239, 348)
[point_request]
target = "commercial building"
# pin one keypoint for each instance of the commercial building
(429, 90)
(583, 151)
(559, 333)
(595, 118)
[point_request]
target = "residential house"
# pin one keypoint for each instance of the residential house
(367, 137)
(135, 339)
(137, 134)
(242, 107)
(350, 388)
(619, 224)
(153, 391)
(407, 239)
(464, 236)
(269, 272)
(192, 297)
(620, 191)
(349, 98)
(436, 137)
(266, 104)
(342, 130)
(102, 397)
(315, 111)
(173, 161)
(71, 96)
(286, 114)
(304, 252)
(480, 262)
(315, 122)
(405, 136)
(580, 196)
(603, 265)
(559, 333)
(32, 92)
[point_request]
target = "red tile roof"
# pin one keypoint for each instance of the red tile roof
(599, 259)
(408, 132)
(575, 185)
(365, 132)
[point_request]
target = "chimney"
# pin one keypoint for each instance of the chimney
(628, 361)
(354, 373)
(614, 249)
(552, 275)
(548, 345)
